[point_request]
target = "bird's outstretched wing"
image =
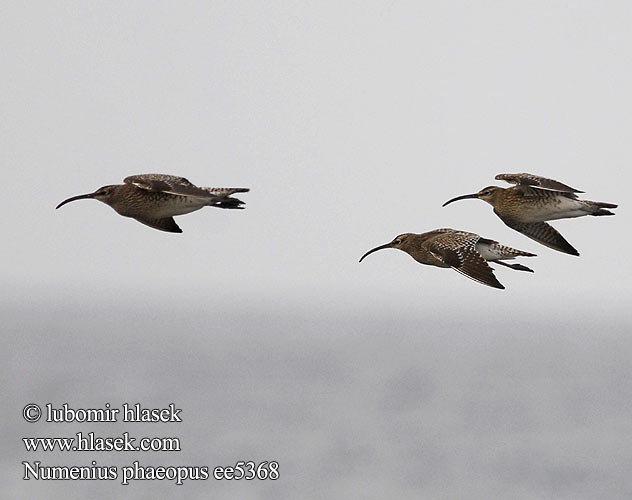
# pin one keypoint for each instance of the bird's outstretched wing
(533, 194)
(166, 224)
(179, 185)
(542, 233)
(167, 184)
(536, 180)
(458, 250)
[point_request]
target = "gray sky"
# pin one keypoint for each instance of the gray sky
(351, 123)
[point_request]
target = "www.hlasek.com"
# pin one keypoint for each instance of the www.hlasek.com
(243, 469)
(90, 442)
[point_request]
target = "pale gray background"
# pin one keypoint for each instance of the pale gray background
(352, 122)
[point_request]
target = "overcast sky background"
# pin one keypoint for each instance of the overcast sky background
(351, 123)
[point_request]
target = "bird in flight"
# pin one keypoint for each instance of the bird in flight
(467, 253)
(533, 200)
(154, 199)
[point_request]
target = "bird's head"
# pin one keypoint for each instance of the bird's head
(488, 194)
(401, 242)
(102, 194)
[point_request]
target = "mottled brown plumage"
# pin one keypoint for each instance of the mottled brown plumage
(467, 253)
(154, 199)
(533, 200)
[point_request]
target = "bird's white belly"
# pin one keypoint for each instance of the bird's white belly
(560, 208)
(179, 206)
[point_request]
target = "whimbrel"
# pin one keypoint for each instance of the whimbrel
(533, 200)
(467, 253)
(154, 199)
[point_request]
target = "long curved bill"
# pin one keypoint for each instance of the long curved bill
(381, 247)
(80, 197)
(464, 197)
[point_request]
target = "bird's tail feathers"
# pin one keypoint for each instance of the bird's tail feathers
(230, 203)
(224, 191)
(598, 207)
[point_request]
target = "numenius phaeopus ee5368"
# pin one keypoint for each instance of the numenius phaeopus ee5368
(525, 207)
(464, 252)
(153, 199)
